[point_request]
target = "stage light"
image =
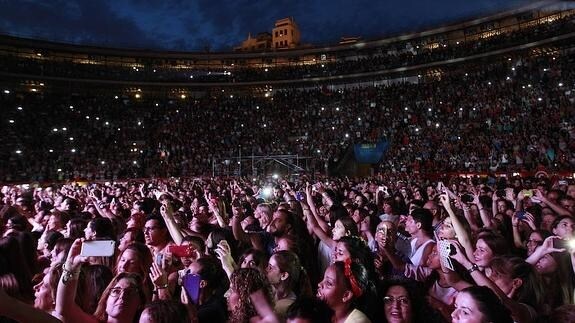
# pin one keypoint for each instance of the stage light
(20, 108)
(6, 91)
(73, 150)
(51, 150)
(18, 152)
(71, 138)
(11, 121)
(55, 129)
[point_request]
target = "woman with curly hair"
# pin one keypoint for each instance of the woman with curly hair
(243, 283)
(355, 249)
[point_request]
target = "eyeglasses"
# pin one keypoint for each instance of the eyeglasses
(402, 300)
(117, 291)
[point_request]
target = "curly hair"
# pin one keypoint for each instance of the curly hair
(360, 253)
(244, 282)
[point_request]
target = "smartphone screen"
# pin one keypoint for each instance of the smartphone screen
(191, 283)
(444, 250)
(98, 248)
(180, 251)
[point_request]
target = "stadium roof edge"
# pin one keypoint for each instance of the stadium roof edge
(41, 44)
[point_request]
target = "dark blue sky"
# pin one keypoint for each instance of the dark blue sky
(221, 24)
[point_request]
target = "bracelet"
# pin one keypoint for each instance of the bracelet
(473, 268)
(66, 267)
(156, 287)
(68, 275)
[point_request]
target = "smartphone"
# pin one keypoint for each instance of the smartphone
(560, 244)
(466, 198)
(163, 260)
(299, 196)
(527, 193)
(445, 250)
(520, 215)
(98, 248)
(180, 251)
(191, 283)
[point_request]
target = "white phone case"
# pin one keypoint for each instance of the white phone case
(98, 248)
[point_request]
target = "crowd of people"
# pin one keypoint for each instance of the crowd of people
(514, 114)
(396, 54)
(290, 250)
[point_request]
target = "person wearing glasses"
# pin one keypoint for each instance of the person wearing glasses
(121, 302)
(156, 235)
(404, 302)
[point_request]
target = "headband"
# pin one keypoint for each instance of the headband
(355, 289)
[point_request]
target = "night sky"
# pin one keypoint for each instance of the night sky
(190, 25)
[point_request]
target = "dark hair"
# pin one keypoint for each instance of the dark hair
(167, 311)
(349, 225)
(96, 279)
(558, 219)
(51, 237)
(367, 302)
(103, 228)
(196, 241)
(246, 281)
(76, 228)
(489, 304)
(563, 314)
(211, 271)
(425, 218)
(495, 241)
(12, 261)
(19, 222)
(298, 280)
(336, 212)
(310, 308)
(531, 290)
(259, 257)
(161, 221)
(421, 311)
(360, 252)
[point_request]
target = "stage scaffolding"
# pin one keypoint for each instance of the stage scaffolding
(262, 165)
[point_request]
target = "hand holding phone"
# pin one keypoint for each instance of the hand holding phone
(98, 248)
(181, 251)
(446, 249)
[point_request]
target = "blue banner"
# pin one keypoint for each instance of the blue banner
(370, 153)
